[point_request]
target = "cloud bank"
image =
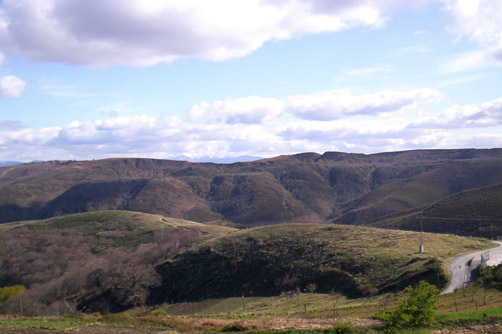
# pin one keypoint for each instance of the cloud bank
(143, 33)
(340, 104)
(251, 126)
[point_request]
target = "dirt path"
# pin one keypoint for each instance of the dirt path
(462, 267)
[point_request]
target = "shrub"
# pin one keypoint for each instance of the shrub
(345, 328)
(416, 309)
(235, 327)
(160, 312)
(10, 291)
(491, 276)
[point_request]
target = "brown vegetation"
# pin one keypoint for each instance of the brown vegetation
(344, 188)
(67, 264)
(475, 212)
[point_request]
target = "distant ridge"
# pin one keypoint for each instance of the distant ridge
(9, 163)
(476, 212)
(345, 188)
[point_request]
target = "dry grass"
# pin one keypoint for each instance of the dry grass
(127, 228)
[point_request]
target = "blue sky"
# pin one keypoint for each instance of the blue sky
(89, 79)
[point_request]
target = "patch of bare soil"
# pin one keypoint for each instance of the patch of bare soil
(14, 330)
(279, 323)
(475, 329)
(90, 329)
(301, 323)
(198, 324)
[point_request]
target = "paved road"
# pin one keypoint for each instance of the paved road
(462, 267)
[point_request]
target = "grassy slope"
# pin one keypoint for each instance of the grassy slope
(421, 189)
(270, 260)
(475, 212)
(322, 305)
(125, 228)
(269, 313)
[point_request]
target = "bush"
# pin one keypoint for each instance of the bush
(160, 312)
(235, 327)
(491, 277)
(340, 329)
(10, 291)
(416, 309)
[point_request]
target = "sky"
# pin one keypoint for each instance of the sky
(227, 80)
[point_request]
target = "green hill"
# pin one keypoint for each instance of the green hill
(476, 212)
(354, 260)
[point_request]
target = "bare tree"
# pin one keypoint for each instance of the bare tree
(311, 287)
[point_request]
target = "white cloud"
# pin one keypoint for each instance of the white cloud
(488, 114)
(137, 32)
(11, 86)
(376, 129)
(339, 104)
(468, 61)
(2, 59)
(248, 110)
(211, 134)
(478, 20)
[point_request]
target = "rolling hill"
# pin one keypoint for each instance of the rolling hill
(114, 260)
(343, 188)
(125, 228)
(353, 260)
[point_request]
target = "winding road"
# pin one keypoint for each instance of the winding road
(462, 267)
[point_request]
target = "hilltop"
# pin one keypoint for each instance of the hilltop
(343, 188)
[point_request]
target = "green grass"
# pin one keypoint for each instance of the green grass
(479, 315)
(76, 320)
(259, 310)
(210, 307)
(52, 323)
(317, 305)
(321, 305)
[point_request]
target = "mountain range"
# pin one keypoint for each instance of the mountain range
(344, 188)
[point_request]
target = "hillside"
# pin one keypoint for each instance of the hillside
(114, 260)
(356, 261)
(124, 228)
(476, 212)
(70, 262)
(309, 187)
